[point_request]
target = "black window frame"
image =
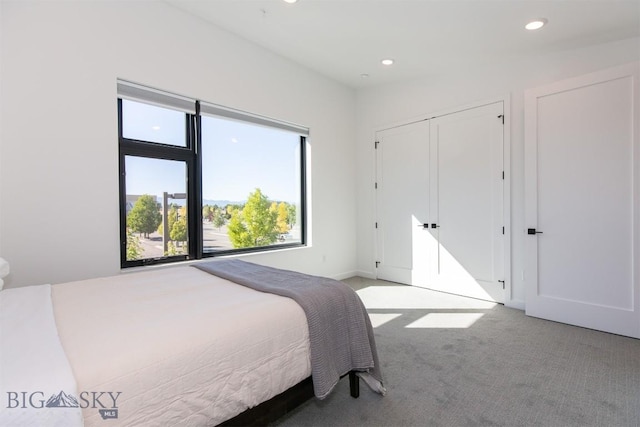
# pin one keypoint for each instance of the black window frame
(190, 154)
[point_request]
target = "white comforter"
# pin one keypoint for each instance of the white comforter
(33, 365)
(180, 346)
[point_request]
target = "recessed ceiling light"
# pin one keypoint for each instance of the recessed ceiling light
(156, 128)
(290, 1)
(364, 75)
(387, 61)
(536, 24)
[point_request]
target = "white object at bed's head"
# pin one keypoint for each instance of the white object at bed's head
(4, 271)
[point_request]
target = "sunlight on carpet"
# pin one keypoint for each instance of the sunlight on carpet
(409, 297)
(446, 320)
(452, 311)
(379, 319)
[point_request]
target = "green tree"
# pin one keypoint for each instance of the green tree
(134, 248)
(172, 249)
(291, 215)
(255, 224)
(238, 232)
(229, 209)
(178, 227)
(283, 218)
(172, 216)
(145, 216)
(219, 219)
(208, 212)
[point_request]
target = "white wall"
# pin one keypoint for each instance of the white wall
(1, 97)
(395, 103)
(58, 142)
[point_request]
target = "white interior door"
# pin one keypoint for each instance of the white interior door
(402, 203)
(467, 203)
(582, 204)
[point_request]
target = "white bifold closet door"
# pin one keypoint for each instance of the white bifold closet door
(582, 205)
(467, 203)
(402, 203)
(439, 203)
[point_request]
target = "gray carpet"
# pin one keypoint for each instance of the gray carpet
(453, 361)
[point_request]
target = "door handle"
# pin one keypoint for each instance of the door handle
(435, 226)
(533, 231)
(423, 225)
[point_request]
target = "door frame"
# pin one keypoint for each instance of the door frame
(506, 206)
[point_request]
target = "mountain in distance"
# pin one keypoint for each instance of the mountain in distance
(221, 203)
(132, 198)
(62, 400)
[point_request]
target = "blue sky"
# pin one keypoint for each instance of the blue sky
(237, 157)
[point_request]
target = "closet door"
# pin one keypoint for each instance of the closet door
(467, 203)
(582, 206)
(402, 203)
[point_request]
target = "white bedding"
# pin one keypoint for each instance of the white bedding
(182, 347)
(33, 365)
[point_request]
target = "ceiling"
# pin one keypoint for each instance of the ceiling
(344, 39)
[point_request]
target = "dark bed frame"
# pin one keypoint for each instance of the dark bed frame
(274, 408)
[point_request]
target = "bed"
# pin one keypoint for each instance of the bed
(174, 346)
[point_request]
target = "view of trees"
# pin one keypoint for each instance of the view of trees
(208, 212)
(219, 219)
(145, 216)
(216, 215)
(258, 222)
(255, 224)
(177, 221)
(134, 248)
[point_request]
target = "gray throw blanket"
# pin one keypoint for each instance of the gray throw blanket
(340, 332)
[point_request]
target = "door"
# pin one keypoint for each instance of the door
(582, 204)
(466, 209)
(402, 203)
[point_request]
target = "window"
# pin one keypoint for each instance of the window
(146, 122)
(251, 185)
(200, 180)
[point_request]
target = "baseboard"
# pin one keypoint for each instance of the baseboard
(359, 273)
(345, 275)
